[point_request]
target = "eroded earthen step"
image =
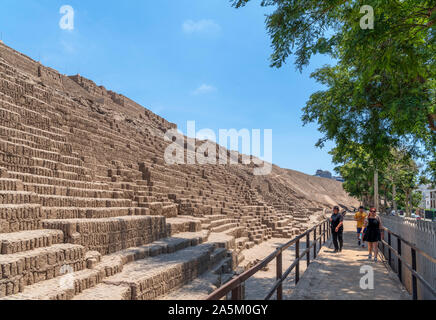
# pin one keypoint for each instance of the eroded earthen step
(178, 225)
(59, 213)
(151, 278)
(48, 180)
(109, 235)
(19, 217)
(29, 267)
(106, 292)
(221, 240)
(11, 243)
(198, 289)
(47, 189)
(224, 227)
(66, 287)
(18, 197)
(7, 184)
(99, 179)
(66, 201)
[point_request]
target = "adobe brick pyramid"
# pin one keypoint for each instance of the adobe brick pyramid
(90, 210)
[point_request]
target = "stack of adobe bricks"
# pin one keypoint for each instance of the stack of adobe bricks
(84, 185)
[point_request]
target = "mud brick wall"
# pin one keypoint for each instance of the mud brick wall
(50, 76)
(163, 281)
(113, 234)
(89, 163)
(19, 60)
(26, 268)
(14, 219)
(183, 226)
(88, 213)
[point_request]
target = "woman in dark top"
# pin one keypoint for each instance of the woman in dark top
(373, 233)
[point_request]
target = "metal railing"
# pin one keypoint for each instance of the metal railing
(401, 261)
(321, 233)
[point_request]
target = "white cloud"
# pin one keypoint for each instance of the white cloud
(201, 26)
(204, 89)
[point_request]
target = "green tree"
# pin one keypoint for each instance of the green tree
(402, 173)
(355, 169)
(399, 174)
(347, 116)
(391, 68)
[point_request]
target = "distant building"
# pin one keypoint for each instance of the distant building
(328, 175)
(428, 197)
(323, 174)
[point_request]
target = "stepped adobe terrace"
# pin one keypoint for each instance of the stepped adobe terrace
(89, 209)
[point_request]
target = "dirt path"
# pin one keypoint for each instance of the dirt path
(337, 276)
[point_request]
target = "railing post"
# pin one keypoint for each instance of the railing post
(330, 225)
(279, 276)
(307, 248)
(323, 233)
(389, 249)
(314, 243)
(320, 237)
(297, 267)
(414, 281)
(400, 275)
(237, 293)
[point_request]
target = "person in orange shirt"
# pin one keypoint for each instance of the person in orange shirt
(360, 217)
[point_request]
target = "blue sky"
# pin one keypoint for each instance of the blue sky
(183, 59)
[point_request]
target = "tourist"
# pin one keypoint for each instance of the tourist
(373, 232)
(337, 225)
(360, 217)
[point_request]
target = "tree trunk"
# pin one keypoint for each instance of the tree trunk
(411, 201)
(394, 195)
(407, 202)
(369, 200)
(376, 198)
